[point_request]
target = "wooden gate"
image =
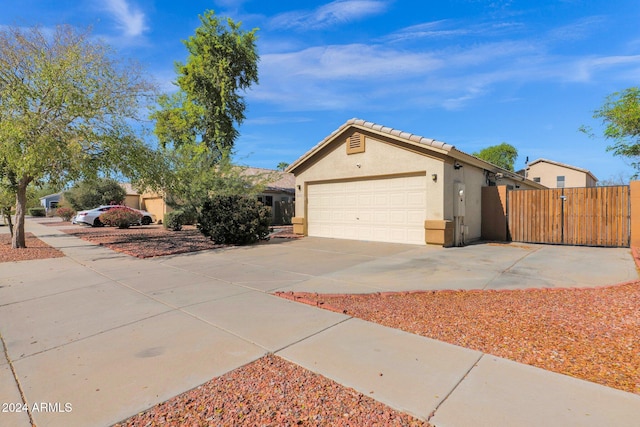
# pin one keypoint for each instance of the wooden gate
(595, 216)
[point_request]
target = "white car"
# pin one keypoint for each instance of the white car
(92, 217)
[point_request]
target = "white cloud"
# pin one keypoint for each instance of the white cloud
(353, 62)
(448, 29)
(584, 69)
(129, 18)
(365, 76)
(578, 30)
(427, 30)
(334, 13)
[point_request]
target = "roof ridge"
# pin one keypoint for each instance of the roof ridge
(414, 138)
(399, 133)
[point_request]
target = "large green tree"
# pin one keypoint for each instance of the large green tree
(68, 107)
(222, 62)
(503, 155)
(196, 125)
(620, 114)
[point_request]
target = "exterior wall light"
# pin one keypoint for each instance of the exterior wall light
(434, 177)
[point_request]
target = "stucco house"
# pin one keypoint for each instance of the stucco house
(278, 193)
(559, 175)
(369, 182)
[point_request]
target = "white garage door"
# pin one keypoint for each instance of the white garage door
(382, 210)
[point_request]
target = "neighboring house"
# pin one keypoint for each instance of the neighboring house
(279, 194)
(369, 182)
(559, 175)
(151, 202)
(50, 202)
(132, 198)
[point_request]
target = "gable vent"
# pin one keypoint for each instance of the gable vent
(355, 143)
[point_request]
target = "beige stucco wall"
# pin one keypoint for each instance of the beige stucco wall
(379, 159)
(548, 174)
(132, 200)
(155, 205)
(473, 179)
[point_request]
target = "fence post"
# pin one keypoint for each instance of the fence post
(494, 213)
(634, 188)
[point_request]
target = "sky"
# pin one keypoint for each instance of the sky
(471, 73)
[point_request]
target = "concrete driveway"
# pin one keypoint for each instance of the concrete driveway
(111, 335)
(345, 266)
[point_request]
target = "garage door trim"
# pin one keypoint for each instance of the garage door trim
(382, 220)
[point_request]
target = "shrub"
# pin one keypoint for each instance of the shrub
(174, 220)
(121, 217)
(89, 194)
(37, 212)
(234, 220)
(190, 216)
(65, 213)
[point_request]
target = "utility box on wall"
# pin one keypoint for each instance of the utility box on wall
(459, 199)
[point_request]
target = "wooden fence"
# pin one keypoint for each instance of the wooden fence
(595, 216)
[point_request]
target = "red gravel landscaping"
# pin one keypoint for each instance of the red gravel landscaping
(36, 249)
(146, 241)
(271, 392)
(152, 240)
(591, 334)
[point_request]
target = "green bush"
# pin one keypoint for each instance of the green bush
(65, 213)
(174, 220)
(90, 194)
(121, 217)
(190, 216)
(234, 220)
(37, 212)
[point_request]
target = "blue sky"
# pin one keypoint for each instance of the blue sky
(472, 73)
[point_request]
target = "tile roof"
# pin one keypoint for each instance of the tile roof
(280, 180)
(417, 139)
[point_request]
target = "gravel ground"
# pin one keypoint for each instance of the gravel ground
(36, 249)
(152, 240)
(145, 241)
(591, 334)
(271, 392)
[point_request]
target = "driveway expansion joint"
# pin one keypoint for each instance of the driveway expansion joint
(506, 270)
(15, 378)
(455, 387)
(313, 334)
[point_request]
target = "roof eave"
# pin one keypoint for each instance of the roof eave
(415, 140)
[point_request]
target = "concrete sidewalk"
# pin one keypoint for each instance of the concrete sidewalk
(112, 335)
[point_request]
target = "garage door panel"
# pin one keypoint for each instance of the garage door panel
(388, 210)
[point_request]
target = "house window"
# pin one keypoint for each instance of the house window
(560, 181)
(260, 199)
(268, 200)
(536, 179)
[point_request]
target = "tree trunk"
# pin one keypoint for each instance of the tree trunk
(18, 240)
(8, 220)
